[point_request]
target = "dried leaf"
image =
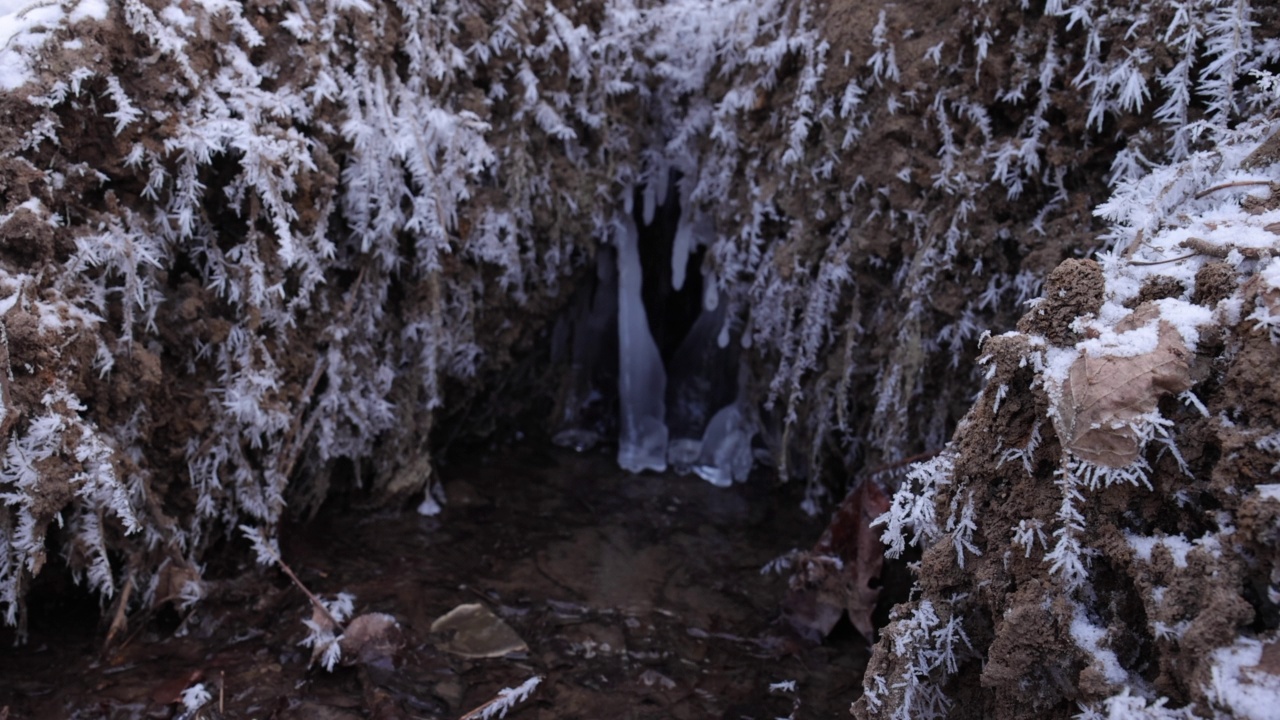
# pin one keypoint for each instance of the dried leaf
(1269, 662)
(836, 576)
(174, 575)
(326, 630)
(1103, 396)
(370, 638)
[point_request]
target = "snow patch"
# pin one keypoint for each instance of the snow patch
(1089, 638)
(1239, 686)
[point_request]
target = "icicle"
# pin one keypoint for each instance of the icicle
(680, 251)
(662, 182)
(642, 381)
(726, 448)
(693, 230)
(710, 296)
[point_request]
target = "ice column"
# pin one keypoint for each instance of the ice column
(642, 381)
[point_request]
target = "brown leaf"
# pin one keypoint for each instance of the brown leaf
(173, 577)
(1269, 662)
(371, 637)
(324, 622)
(1102, 396)
(821, 590)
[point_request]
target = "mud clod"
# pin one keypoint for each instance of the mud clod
(1074, 289)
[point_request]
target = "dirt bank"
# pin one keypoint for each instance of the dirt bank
(1100, 535)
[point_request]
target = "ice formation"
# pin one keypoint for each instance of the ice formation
(592, 319)
(1145, 363)
(694, 230)
(726, 447)
(702, 378)
(642, 380)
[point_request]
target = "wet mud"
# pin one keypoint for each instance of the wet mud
(637, 596)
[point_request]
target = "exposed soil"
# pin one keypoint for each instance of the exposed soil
(1177, 561)
(638, 597)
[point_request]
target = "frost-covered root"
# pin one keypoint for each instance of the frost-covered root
(1103, 530)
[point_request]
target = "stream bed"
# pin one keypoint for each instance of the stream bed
(636, 596)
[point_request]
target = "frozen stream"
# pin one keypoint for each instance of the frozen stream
(638, 597)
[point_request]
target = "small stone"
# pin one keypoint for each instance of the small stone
(473, 631)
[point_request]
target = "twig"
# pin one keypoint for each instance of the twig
(315, 601)
(292, 441)
(1133, 246)
(267, 550)
(504, 701)
(903, 463)
(119, 619)
(1162, 262)
(1237, 183)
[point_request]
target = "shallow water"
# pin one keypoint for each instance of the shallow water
(638, 597)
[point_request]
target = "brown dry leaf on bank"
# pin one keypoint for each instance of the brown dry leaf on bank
(821, 591)
(371, 638)
(1102, 397)
(1270, 660)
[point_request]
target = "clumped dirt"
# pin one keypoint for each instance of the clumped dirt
(1072, 290)
(637, 596)
(1159, 609)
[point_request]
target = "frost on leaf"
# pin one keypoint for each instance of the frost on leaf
(1104, 398)
(837, 576)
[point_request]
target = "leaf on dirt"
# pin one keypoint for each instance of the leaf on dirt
(371, 638)
(1103, 397)
(473, 631)
(169, 692)
(1270, 660)
(323, 636)
(836, 576)
(174, 576)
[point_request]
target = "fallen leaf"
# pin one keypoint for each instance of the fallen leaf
(173, 577)
(370, 638)
(1269, 662)
(835, 577)
(1103, 395)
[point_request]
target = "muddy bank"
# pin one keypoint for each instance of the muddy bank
(1100, 536)
(637, 597)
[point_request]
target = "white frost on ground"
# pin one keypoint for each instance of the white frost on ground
(25, 25)
(1240, 686)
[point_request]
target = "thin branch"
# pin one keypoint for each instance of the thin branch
(903, 463)
(1236, 183)
(1165, 261)
(314, 600)
(504, 701)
